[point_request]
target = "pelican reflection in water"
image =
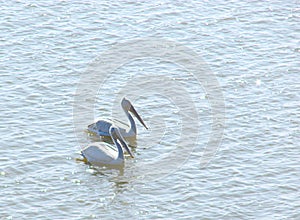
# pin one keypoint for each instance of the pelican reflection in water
(102, 126)
(101, 153)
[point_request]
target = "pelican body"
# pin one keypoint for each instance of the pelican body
(101, 153)
(102, 126)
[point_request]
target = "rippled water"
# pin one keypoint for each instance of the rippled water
(252, 48)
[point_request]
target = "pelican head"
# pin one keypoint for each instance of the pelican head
(128, 107)
(116, 135)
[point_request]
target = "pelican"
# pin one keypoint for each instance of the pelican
(102, 126)
(101, 153)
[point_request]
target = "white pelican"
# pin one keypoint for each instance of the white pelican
(101, 153)
(102, 126)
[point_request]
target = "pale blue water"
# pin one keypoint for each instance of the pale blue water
(252, 48)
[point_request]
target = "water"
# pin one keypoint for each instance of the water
(252, 48)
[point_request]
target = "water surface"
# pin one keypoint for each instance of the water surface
(252, 48)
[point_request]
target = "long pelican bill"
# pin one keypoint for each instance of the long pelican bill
(123, 143)
(137, 116)
(126, 147)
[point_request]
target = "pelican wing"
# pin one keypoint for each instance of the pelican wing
(100, 153)
(101, 127)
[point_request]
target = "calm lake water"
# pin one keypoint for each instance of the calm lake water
(252, 48)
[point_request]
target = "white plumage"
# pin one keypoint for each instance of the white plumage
(101, 153)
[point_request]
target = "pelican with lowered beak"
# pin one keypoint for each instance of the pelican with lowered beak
(102, 153)
(102, 126)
